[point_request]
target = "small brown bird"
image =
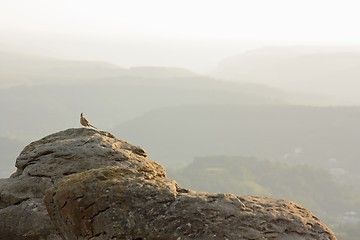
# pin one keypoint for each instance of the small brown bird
(85, 122)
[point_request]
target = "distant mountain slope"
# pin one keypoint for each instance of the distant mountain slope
(60, 90)
(26, 70)
(17, 69)
(310, 186)
(327, 136)
(330, 71)
(29, 112)
(159, 72)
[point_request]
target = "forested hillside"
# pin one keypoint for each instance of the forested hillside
(336, 202)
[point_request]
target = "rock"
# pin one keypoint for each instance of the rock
(45, 162)
(121, 203)
(99, 187)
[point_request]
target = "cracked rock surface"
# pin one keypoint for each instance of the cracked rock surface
(120, 203)
(99, 187)
(124, 202)
(45, 162)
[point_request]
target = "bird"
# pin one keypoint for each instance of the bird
(85, 122)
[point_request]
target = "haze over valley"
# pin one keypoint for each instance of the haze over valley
(228, 104)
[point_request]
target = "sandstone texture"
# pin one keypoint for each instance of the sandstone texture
(118, 203)
(43, 163)
(99, 187)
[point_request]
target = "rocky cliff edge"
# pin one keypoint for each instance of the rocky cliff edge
(99, 187)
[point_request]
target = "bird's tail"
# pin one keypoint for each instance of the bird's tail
(92, 126)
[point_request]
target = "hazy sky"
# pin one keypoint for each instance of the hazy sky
(210, 29)
(325, 21)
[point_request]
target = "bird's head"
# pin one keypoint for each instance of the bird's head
(81, 114)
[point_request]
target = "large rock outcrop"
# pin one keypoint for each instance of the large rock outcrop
(99, 187)
(43, 163)
(120, 203)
